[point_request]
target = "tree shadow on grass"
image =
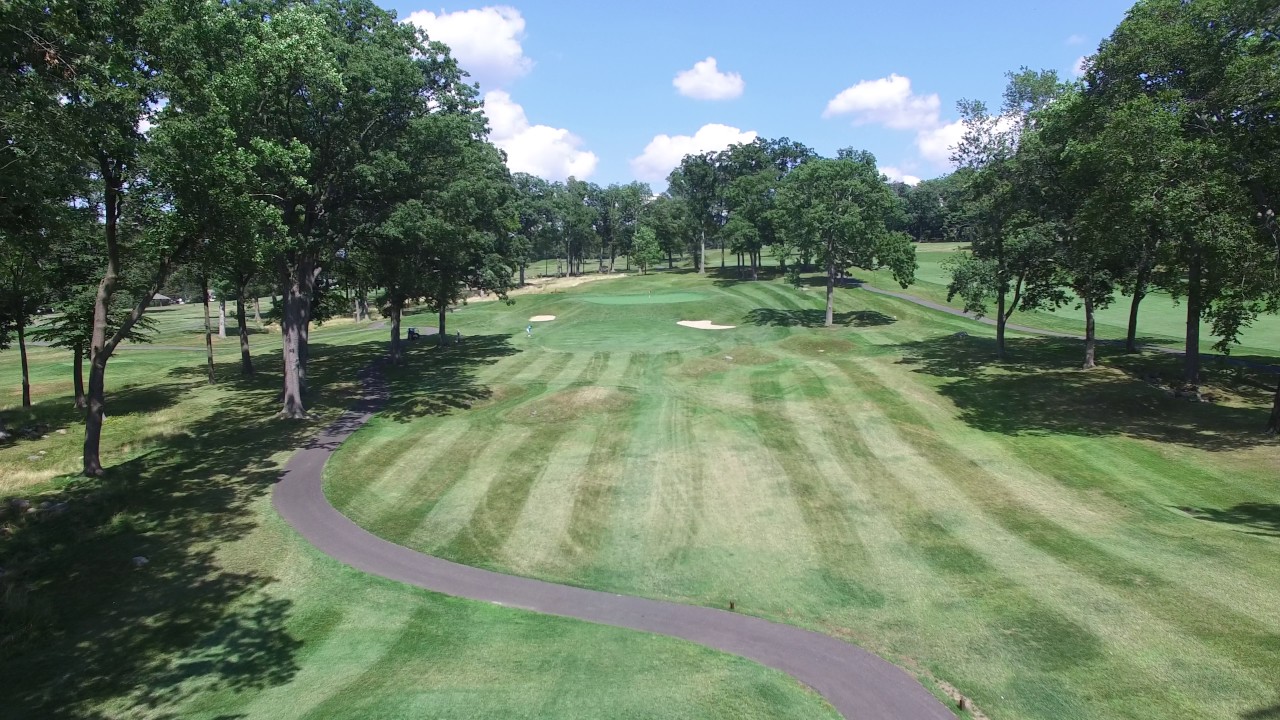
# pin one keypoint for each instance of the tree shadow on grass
(1260, 518)
(54, 414)
(1040, 390)
(809, 317)
(731, 275)
(437, 380)
(87, 631)
(1266, 713)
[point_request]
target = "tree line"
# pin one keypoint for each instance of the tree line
(321, 152)
(304, 147)
(1155, 171)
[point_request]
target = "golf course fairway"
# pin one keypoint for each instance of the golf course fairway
(1051, 543)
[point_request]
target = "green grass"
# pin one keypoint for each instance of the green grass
(236, 616)
(1161, 320)
(1054, 543)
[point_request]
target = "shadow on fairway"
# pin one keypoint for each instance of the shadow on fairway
(809, 318)
(60, 413)
(436, 380)
(1260, 518)
(733, 275)
(1267, 713)
(1040, 390)
(87, 631)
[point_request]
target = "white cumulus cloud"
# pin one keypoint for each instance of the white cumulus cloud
(896, 175)
(1080, 66)
(935, 144)
(486, 42)
(542, 150)
(887, 101)
(704, 81)
(664, 152)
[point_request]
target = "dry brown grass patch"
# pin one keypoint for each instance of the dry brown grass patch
(817, 345)
(570, 404)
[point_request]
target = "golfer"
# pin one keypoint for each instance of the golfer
(529, 331)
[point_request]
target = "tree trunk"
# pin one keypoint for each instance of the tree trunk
(394, 349)
(1191, 360)
(363, 306)
(613, 257)
(702, 253)
(26, 371)
(246, 360)
(77, 377)
(1000, 321)
(671, 261)
(98, 353)
(521, 274)
(257, 312)
(755, 265)
(298, 288)
(97, 412)
(208, 327)
(222, 317)
(1090, 340)
(1273, 425)
(1131, 339)
(444, 310)
(1139, 292)
(721, 255)
(831, 290)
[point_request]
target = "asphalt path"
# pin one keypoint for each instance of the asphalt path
(857, 683)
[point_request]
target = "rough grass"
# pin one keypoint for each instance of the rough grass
(1051, 542)
(233, 615)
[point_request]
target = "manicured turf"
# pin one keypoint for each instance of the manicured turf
(235, 616)
(1161, 320)
(1054, 543)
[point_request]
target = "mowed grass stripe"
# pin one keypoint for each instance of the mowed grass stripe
(425, 485)
(403, 478)
(513, 475)
(356, 656)
(1103, 625)
(1001, 624)
(1232, 635)
(824, 509)
(906, 585)
(596, 489)
(534, 546)
(659, 501)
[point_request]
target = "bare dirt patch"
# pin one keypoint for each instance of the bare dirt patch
(704, 325)
(570, 404)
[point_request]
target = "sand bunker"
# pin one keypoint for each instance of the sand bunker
(704, 325)
(542, 318)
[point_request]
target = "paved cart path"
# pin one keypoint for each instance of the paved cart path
(857, 683)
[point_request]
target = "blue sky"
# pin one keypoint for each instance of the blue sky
(588, 88)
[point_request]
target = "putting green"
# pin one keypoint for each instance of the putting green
(654, 299)
(1007, 528)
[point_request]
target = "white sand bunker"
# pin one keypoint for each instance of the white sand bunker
(704, 325)
(542, 318)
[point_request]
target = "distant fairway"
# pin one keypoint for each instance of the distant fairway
(1056, 544)
(658, 299)
(1160, 319)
